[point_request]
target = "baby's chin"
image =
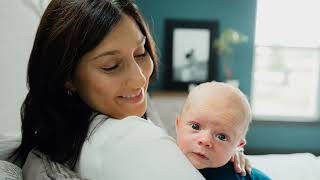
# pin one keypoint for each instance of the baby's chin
(203, 166)
(200, 165)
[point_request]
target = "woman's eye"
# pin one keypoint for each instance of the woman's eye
(195, 126)
(144, 54)
(222, 137)
(111, 68)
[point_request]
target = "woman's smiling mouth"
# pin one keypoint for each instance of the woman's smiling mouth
(134, 97)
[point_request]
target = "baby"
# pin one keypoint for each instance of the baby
(212, 126)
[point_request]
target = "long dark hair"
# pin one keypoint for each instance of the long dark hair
(52, 121)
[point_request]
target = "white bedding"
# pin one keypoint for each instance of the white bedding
(288, 166)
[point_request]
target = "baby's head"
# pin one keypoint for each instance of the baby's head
(213, 124)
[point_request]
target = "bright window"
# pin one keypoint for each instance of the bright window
(286, 60)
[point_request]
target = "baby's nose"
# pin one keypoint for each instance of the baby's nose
(205, 140)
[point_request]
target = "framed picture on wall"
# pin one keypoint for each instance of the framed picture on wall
(190, 57)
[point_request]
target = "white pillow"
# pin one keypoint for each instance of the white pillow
(7, 145)
(134, 149)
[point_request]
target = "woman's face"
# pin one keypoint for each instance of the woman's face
(113, 78)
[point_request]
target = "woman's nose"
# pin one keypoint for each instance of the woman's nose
(136, 76)
(205, 140)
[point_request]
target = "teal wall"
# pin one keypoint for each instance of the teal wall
(283, 137)
(239, 15)
(263, 137)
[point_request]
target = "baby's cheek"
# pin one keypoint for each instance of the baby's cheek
(228, 155)
(183, 144)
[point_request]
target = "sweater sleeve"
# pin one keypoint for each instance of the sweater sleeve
(258, 175)
(133, 149)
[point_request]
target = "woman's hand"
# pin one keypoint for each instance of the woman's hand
(241, 163)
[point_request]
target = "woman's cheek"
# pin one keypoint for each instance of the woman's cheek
(148, 67)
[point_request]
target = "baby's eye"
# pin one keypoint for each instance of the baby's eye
(195, 126)
(222, 137)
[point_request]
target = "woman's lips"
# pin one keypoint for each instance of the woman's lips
(134, 98)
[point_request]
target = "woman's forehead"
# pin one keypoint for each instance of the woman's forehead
(125, 36)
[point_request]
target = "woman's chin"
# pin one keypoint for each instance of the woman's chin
(138, 111)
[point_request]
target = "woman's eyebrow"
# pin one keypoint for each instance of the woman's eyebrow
(107, 53)
(115, 52)
(141, 41)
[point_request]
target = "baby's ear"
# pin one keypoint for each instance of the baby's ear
(242, 143)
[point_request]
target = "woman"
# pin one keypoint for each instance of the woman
(89, 57)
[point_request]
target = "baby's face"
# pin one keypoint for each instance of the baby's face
(210, 136)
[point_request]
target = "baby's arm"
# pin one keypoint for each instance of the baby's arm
(241, 163)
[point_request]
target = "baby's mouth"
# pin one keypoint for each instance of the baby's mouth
(201, 155)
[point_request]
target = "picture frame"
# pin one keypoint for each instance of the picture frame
(190, 57)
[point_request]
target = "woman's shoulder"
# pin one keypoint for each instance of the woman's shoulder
(133, 148)
(104, 130)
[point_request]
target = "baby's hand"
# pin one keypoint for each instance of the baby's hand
(241, 163)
